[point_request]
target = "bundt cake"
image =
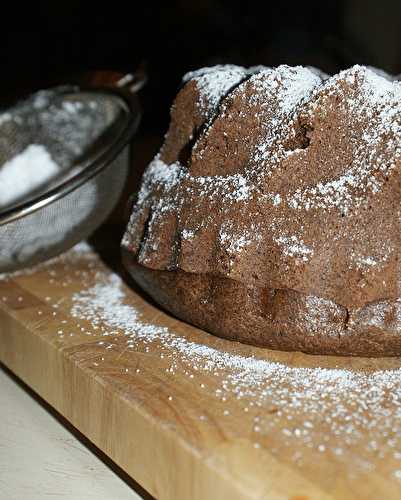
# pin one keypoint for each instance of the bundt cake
(272, 214)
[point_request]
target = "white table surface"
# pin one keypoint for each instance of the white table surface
(40, 458)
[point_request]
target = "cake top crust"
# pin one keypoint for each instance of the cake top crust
(279, 177)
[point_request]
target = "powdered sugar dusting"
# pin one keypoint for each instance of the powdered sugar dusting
(26, 172)
(367, 261)
(159, 174)
(187, 234)
(214, 82)
(364, 262)
(377, 100)
(340, 412)
(162, 178)
(232, 188)
(294, 247)
(234, 243)
(292, 84)
(5, 117)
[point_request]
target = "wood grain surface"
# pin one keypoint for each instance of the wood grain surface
(173, 424)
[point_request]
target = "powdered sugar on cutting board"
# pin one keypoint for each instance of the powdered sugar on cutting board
(351, 415)
(326, 410)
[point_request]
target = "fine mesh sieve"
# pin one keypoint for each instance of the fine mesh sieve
(87, 133)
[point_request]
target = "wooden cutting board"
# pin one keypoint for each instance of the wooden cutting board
(191, 416)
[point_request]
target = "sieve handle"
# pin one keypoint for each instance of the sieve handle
(126, 85)
(129, 82)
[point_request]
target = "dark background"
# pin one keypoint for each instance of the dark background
(174, 37)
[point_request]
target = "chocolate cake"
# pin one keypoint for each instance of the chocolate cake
(272, 214)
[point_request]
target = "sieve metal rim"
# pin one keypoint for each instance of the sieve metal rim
(130, 104)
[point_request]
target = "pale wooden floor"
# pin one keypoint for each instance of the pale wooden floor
(40, 458)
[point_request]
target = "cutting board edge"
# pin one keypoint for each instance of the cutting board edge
(14, 350)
